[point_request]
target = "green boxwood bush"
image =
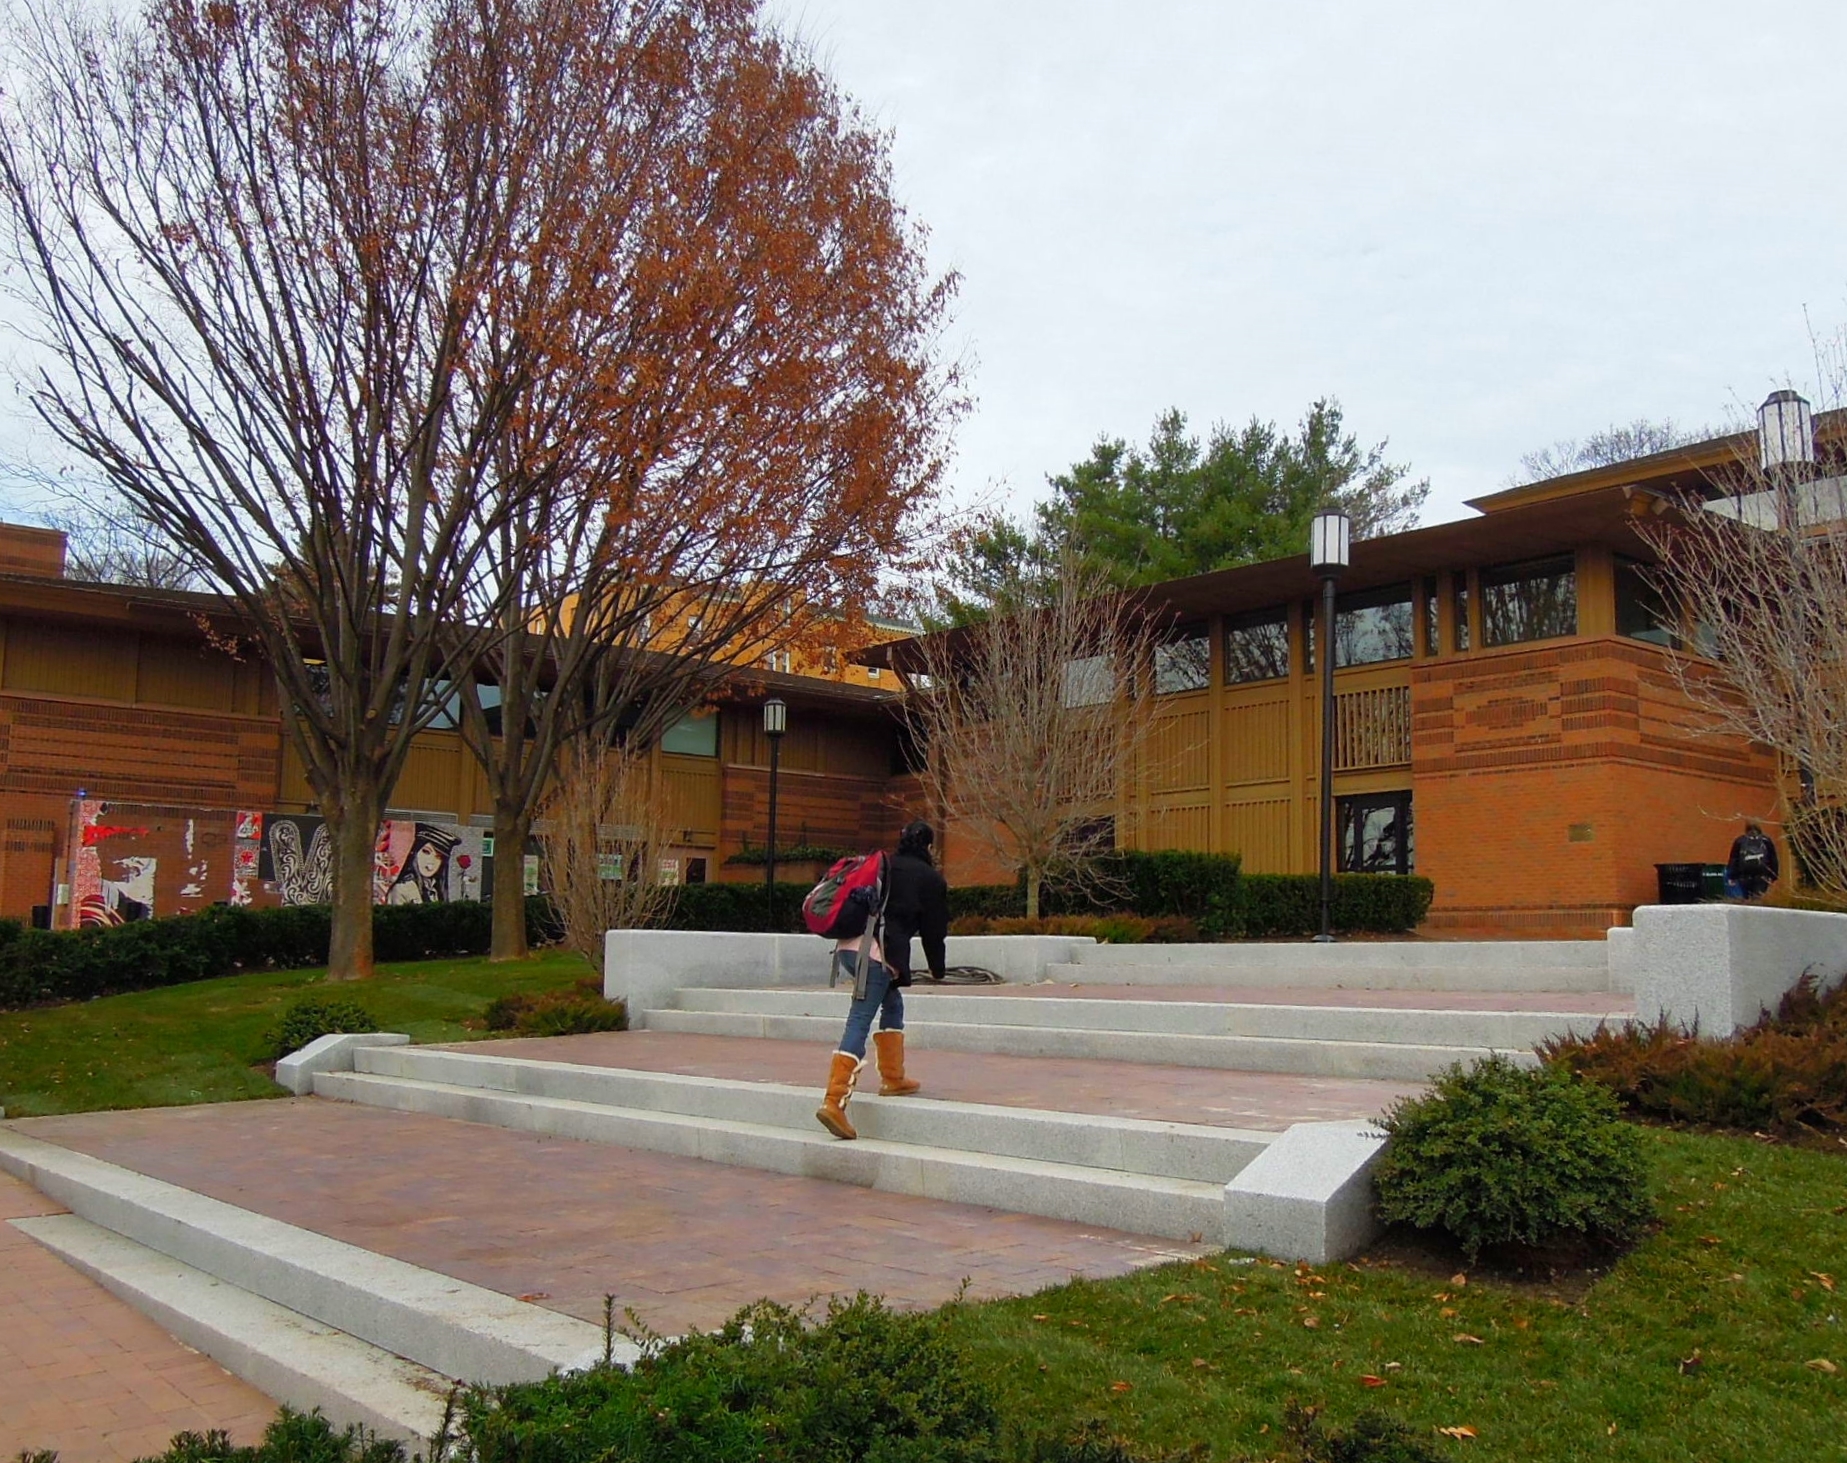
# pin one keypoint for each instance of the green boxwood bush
(1285, 905)
(313, 1017)
(292, 1437)
(41, 966)
(865, 1383)
(1498, 1155)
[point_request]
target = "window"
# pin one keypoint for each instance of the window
(1370, 626)
(1535, 601)
(1088, 681)
(1461, 611)
(1641, 613)
(694, 735)
(873, 672)
(695, 871)
(1257, 647)
(1431, 646)
(1184, 663)
(779, 660)
(1372, 834)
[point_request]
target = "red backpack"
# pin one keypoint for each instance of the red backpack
(839, 907)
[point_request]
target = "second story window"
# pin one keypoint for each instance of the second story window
(1372, 626)
(1641, 612)
(779, 660)
(1183, 663)
(1257, 647)
(1532, 601)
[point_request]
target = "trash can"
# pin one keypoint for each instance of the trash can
(1712, 883)
(1680, 883)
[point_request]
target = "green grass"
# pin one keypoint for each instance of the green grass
(1213, 1351)
(201, 1042)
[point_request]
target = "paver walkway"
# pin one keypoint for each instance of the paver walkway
(562, 1223)
(87, 1375)
(1266, 1101)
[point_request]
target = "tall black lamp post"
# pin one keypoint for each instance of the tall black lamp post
(1329, 547)
(775, 723)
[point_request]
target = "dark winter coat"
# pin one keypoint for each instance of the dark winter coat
(917, 905)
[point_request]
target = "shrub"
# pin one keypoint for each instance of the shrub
(292, 1437)
(1283, 905)
(987, 901)
(312, 1017)
(866, 1382)
(737, 907)
(568, 1012)
(1501, 1155)
(38, 966)
(1203, 887)
(1786, 1073)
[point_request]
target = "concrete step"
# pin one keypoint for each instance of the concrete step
(455, 1329)
(1202, 1152)
(1498, 965)
(1308, 1056)
(286, 1355)
(1375, 1024)
(1142, 1203)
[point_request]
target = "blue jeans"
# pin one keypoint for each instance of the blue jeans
(882, 995)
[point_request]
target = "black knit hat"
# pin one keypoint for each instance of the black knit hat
(916, 838)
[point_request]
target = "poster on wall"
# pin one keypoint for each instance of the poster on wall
(130, 862)
(296, 857)
(426, 863)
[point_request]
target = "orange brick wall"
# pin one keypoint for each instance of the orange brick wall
(1548, 781)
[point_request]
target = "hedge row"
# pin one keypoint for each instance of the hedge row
(38, 966)
(1224, 901)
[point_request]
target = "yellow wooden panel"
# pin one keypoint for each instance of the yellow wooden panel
(1258, 832)
(693, 798)
(173, 673)
(857, 749)
(1256, 742)
(432, 778)
(69, 662)
(1177, 825)
(1177, 754)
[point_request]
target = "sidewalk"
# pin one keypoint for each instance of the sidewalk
(88, 1376)
(562, 1223)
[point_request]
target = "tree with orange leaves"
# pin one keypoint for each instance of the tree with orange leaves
(412, 324)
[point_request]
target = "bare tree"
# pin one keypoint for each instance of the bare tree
(604, 827)
(734, 411)
(1035, 724)
(112, 545)
(1640, 438)
(1756, 579)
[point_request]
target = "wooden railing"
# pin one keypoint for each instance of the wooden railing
(1372, 728)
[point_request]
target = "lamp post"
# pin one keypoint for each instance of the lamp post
(1329, 547)
(775, 723)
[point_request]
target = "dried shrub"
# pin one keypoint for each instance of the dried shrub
(568, 1012)
(1785, 1074)
(1498, 1155)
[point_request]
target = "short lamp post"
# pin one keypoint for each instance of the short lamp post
(775, 723)
(1329, 549)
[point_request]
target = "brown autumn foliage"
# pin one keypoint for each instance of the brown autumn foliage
(409, 324)
(1785, 1074)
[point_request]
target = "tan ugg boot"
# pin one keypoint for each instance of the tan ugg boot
(832, 1112)
(892, 1081)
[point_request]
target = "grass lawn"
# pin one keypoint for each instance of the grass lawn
(201, 1042)
(1698, 1345)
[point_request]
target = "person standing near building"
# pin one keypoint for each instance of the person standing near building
(916, 906)
(1753, 865)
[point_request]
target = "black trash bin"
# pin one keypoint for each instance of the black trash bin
(1712, 883)
(1680, 883)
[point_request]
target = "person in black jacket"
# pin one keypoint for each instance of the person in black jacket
(916, 907)
(1753, 865)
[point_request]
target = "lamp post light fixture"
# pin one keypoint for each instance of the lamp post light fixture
(1330, 547)
(775, 723)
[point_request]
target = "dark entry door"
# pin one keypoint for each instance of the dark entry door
(1374, 834)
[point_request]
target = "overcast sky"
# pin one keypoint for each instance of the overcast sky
(1481, 226)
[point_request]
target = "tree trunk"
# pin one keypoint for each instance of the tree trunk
(1033, 881)
(353, 829)
(512, 827)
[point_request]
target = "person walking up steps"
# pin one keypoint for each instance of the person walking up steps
(916, 905)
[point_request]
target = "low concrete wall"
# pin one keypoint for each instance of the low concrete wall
(645, 967)
(332, 1053)
(1722, 965)
(1308, 1196)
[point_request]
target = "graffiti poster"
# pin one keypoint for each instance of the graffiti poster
(130, 862)
(296, 857)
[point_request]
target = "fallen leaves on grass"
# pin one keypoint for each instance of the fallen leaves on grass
(1458, 1432)
(1369, 1380)
(1690, 1364)
(1823, 1365)
(1468, 1340)
(1122, 1386)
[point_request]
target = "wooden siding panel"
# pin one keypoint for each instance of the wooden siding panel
(60, 661)
(175, 674)
(1258, 832)
(695, 803)
(1256, 742)
(1178, 755)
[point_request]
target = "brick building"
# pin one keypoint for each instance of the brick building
(143, 768)
(1506, 720)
